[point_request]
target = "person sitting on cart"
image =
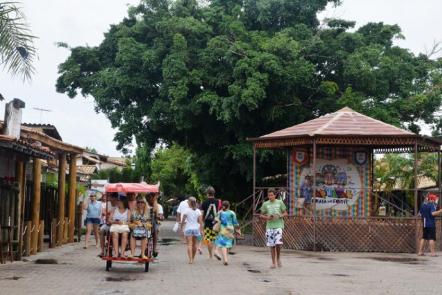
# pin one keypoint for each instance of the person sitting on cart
(132, 201)
(109, 204)
(120, 218)
(139, 223)
(152, 201)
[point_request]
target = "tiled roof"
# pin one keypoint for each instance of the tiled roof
(23, 147)
(341, 123)
(34, 134)
(47, 129)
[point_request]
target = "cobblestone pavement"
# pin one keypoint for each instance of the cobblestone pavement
(79, 271)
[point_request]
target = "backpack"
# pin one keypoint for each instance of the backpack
(212, 209)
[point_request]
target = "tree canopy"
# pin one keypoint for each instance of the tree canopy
(207, 76)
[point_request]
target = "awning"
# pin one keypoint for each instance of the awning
(132, 187)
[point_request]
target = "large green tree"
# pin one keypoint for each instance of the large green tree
(173, 167)
(207, 76)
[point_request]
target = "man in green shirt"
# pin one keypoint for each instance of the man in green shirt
(273, 211)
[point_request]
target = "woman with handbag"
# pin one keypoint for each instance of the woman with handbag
(140, 226)
(228, 227)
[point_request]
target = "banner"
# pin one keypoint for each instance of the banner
(338, 184)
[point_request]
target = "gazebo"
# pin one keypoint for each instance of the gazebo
(334, 155)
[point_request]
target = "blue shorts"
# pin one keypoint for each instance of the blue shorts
(192, 233)
(90, 220)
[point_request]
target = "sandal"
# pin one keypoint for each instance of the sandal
(217, 256)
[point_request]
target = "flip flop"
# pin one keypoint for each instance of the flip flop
(217, 257)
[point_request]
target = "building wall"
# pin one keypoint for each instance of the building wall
(343, 181)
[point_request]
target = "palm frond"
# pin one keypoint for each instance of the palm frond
(17, 51)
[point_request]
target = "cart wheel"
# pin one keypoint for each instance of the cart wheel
(108, 265)
(146, 266)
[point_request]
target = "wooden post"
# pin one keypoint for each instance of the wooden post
(416, 205)
(439, 186)
(66, 229)
(36, 204)
(254, 194)
(314, 194)
(61, 196)
(41, 230)
(416, 211)
(53, 235)
(20, 174)
(78, 220)
(27, 238)
(439, 175)
(72, 196)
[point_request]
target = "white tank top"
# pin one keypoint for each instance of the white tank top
(120, 216)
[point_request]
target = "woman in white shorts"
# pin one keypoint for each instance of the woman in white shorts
(120, 219)
(193, 223)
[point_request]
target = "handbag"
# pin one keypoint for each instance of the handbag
(176, 226)
(217, 225)
(139, 231)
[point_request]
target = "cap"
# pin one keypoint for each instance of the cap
(432, 197)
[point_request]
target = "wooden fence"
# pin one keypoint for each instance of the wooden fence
(393, 235)
(8, 216)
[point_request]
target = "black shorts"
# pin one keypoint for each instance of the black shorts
(429, 233)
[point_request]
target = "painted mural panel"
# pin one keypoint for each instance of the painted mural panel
(342, 182)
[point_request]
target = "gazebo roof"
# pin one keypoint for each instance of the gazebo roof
(343, 122)
(344, 127)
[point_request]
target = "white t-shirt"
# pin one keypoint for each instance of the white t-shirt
(192, 218)
(160, 210)
(184, 205)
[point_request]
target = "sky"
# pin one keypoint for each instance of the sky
(83, 22)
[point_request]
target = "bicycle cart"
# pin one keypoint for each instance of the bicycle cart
(130, 188)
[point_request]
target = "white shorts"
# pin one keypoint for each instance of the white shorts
(119, 228)
(273, 237)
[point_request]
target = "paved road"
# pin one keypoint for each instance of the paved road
(80, 272)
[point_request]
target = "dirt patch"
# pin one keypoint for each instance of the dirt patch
(403, 260)
(46, 261)
(254, 271)
(318, 257)
(339, 275)
(120, 279)
(13, 278)
(266, 281)
(167, 242)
